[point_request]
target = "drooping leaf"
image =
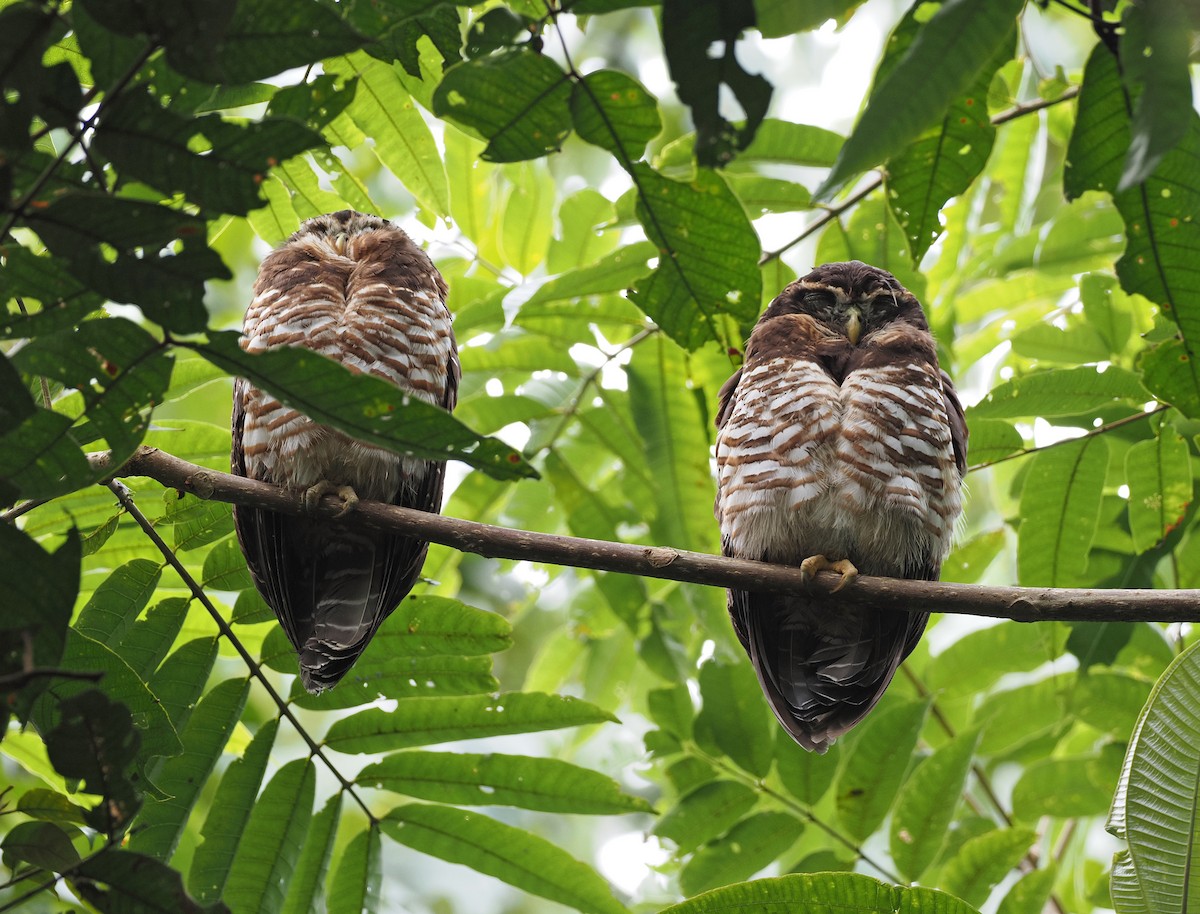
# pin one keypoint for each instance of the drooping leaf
(705, 813)
(517, 857)
(708, 257)
(500, 780)
(179, 681)
(1161, 230)
(866, 787)
(691, 32)
(273, 839)
(983, 861)
(384, 111)
(121, 882)
(354, 888)
(161, 822)
(752, 844)
(517, 101)
(230, 811)
(427, 721)
(41, 844)
(1060, 508)
(734, 716)
(1159, 475)
(940, 65)
(365, 407)
(304, 885)
(806, 775)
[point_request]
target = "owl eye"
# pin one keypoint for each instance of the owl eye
(820, 300)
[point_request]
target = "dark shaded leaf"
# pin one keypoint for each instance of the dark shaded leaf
(517, 101)
(1169, 372)
(116, 603)
(179, 682)
(146, 141)
(517, 857)
(1098, 642)
(690, 31)
(161, 822)
(776, 18)
(1154, 67)
(362, 406)
(734, 716)
(122, 882)
(305, 882)
(41, 844)
(150, 639)
(945, 58)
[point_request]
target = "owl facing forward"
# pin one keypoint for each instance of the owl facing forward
(357, 289)
(841, 444)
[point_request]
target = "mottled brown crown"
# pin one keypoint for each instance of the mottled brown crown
(832, 287)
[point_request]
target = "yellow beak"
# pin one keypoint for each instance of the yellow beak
(339, 243)
(853, 325)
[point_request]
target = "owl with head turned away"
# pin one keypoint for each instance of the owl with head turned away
(841, 444)
(357, 289)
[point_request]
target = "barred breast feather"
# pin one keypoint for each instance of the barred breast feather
(357, 290)
(851, 449)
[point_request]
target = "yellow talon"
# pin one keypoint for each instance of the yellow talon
(815, 564)
(314, 494)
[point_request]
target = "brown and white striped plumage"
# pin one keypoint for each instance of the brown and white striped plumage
(356, 289)
(839, 436)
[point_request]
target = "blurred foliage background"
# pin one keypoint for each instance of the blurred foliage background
(613, 190)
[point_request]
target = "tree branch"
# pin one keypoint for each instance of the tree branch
(1023, 604)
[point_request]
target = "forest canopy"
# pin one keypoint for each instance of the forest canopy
(613, 190)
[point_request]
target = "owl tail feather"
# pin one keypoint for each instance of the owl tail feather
(822, 672)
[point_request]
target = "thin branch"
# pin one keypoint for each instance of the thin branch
(1023, 604)
(834, 212)
(1117, 423)
(126, 500)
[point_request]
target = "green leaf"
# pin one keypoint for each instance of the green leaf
(153, 144)
(968, 561)
(161, 823)
(364, 407)
(110, 613)
(1107, 309)
(424, 626)
(305, 882)
(613, 273)
(380, 676)
(821, 893)
(705, 813)
(615, 112)
(179, 682)
(669, 421)
(1161, 231)
(355, 885)
(527, 216)
(806, 775)
(1154, 67)
(946, 158)
(1098, 642)
(500, 780)
(1159, 476)
(708, 257)
(426, 721)
(50, 806)
(734, 716)
(1046, 342)
(691, 34)
(122, 882)
(516, 100)
(230, 811)
(225, 568)
(517, 857)
(273, 840)
(1168, 371)
(942, 63)
(1029, 894)
(196, 521)
(1060, 508)
(41, 844)
(925, 808)
(875, 769)
(384, 111)
(1060, 392)
(776, 18)
(873, 236)
(1067, 787)
(977, 660)
(751, 845)
(983, 861)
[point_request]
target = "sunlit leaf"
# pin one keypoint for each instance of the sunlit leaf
(821, 893)
(614, 111)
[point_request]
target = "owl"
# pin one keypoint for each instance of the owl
(841, 444)
(357, 289)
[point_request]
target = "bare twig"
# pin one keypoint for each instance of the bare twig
(1023, 604)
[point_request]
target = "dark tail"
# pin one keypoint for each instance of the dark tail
(822, 668)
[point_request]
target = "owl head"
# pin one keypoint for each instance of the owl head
(852, 298)
(336, 229)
